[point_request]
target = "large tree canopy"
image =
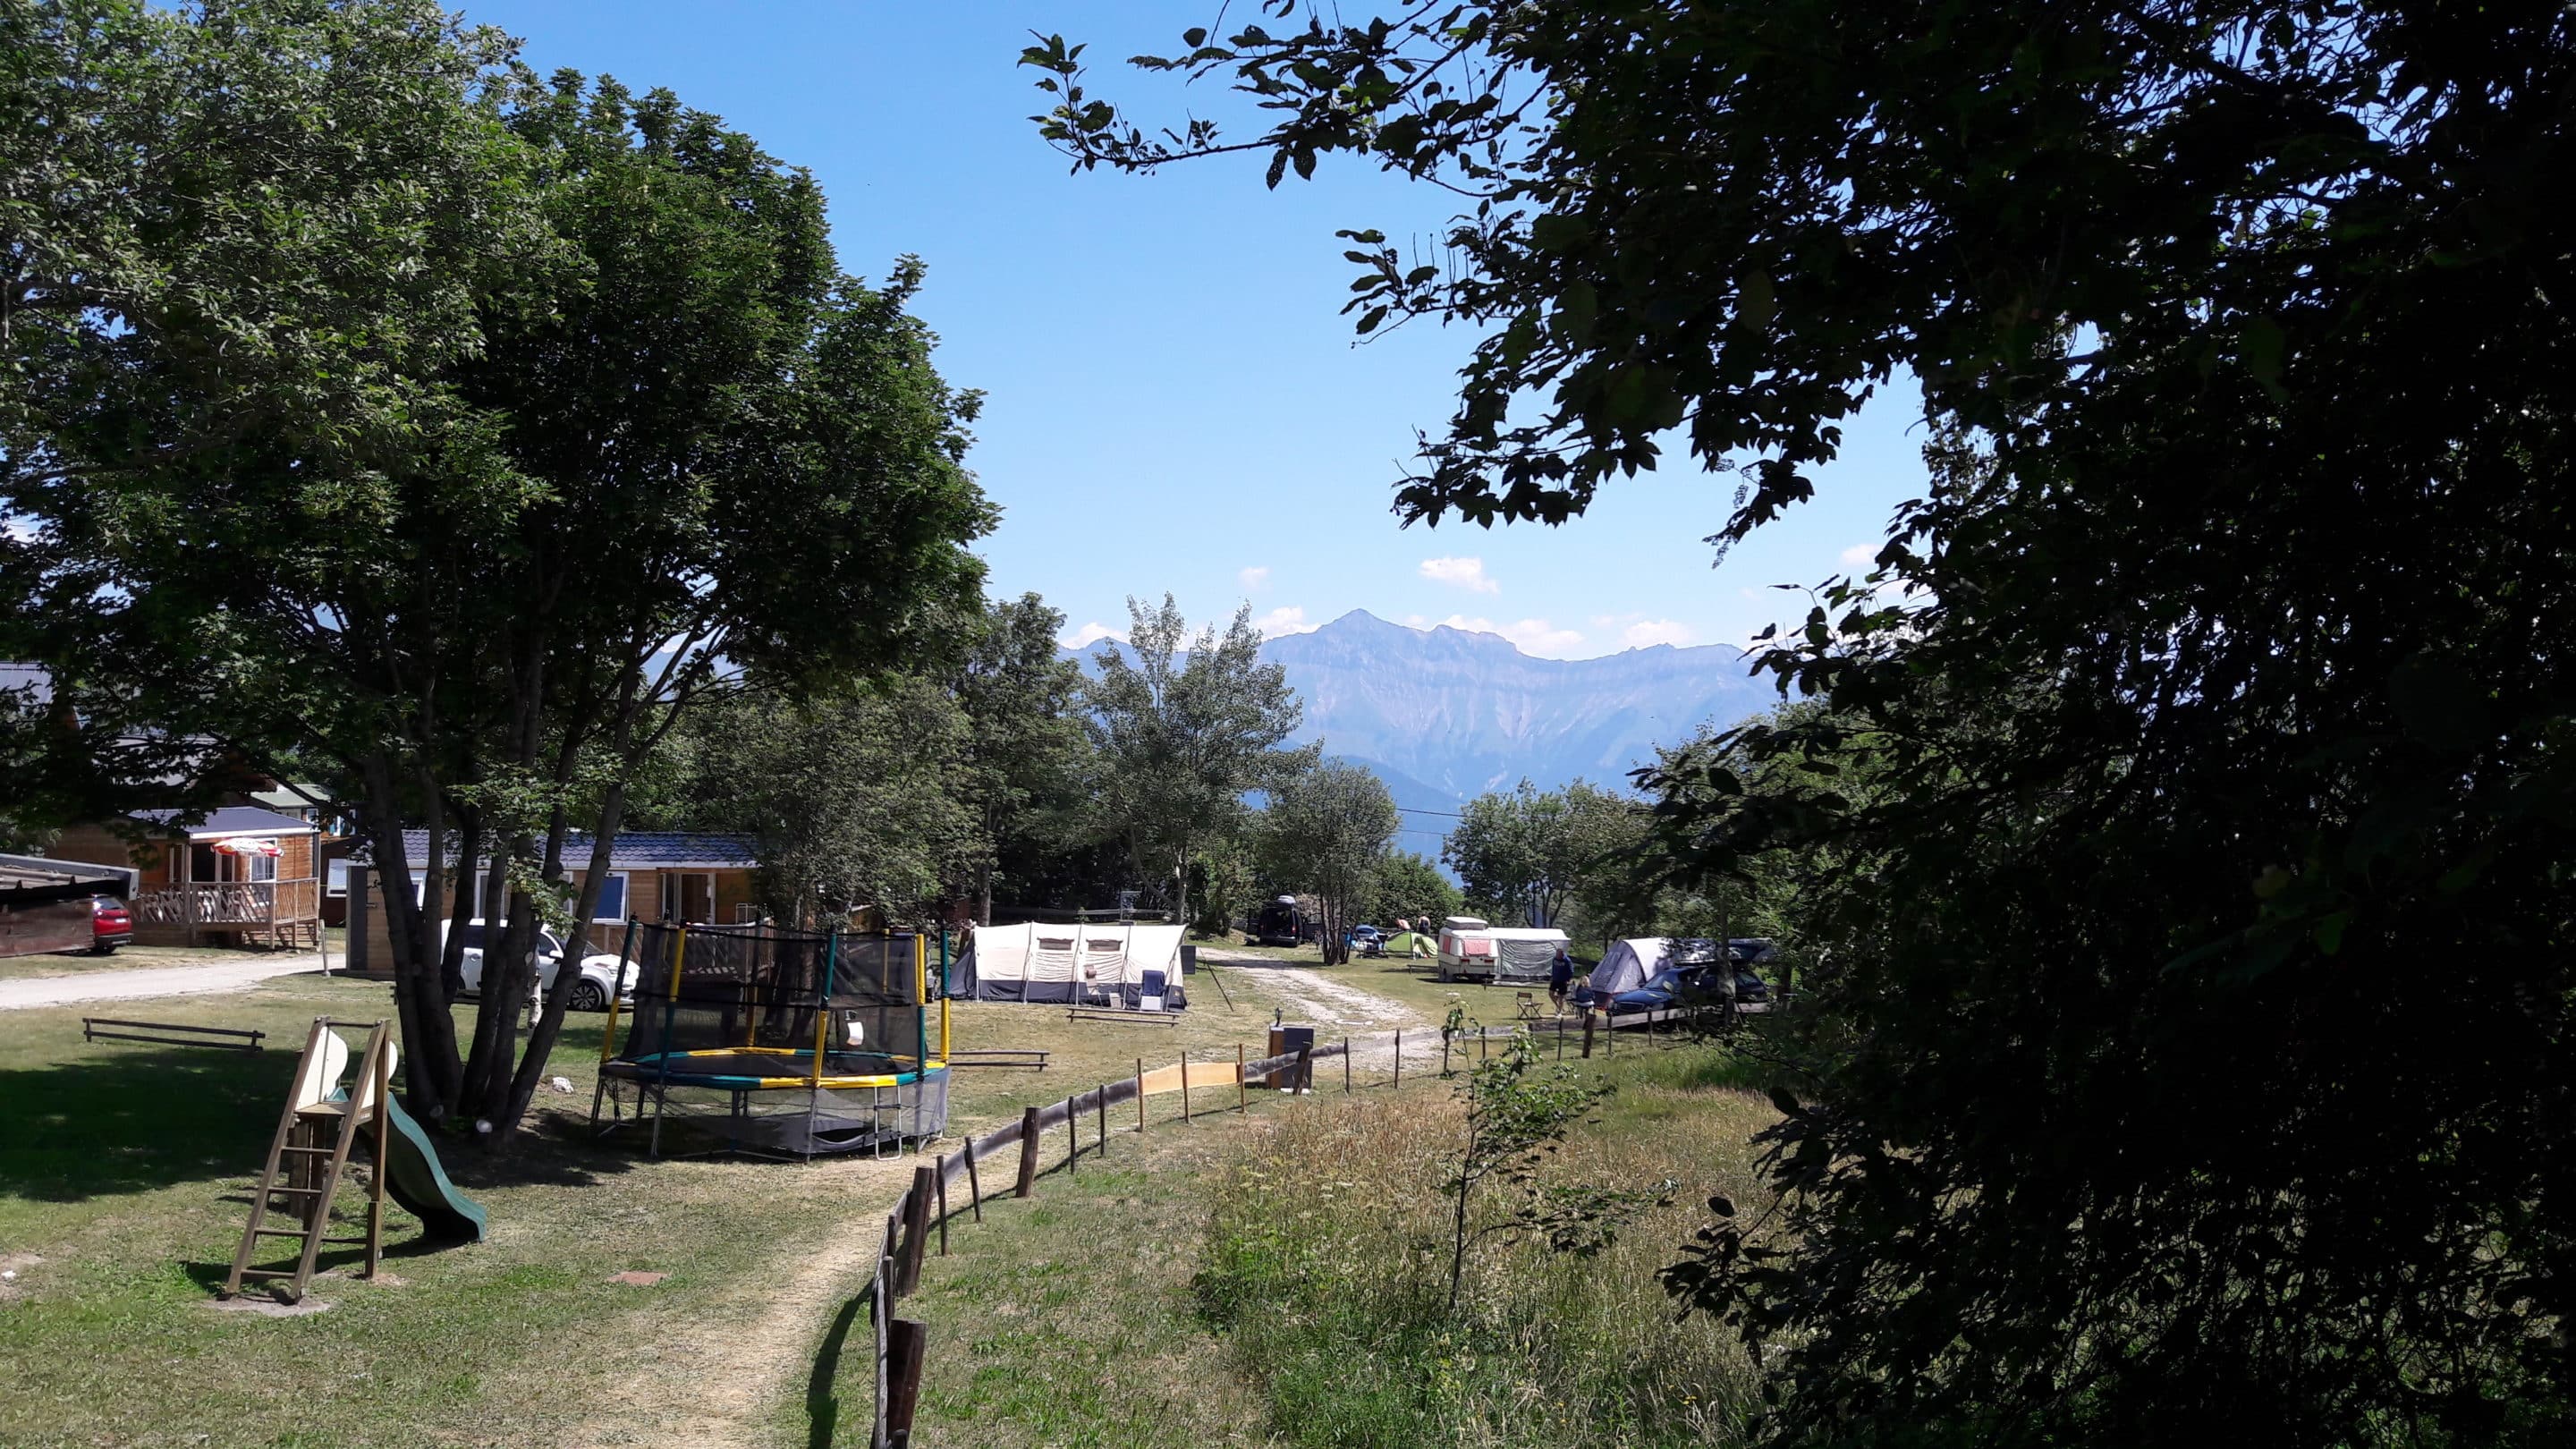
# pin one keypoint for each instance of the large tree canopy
(1326, 830)
(2193, 1061)
(382, 415)
(1185, 726)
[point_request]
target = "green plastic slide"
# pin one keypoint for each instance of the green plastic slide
(414, 1178)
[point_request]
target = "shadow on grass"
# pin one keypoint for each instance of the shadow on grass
(822, 1403)
(142, 1120)
(399, 1243)
(137, 1121)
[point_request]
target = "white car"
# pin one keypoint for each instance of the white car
(590, 993)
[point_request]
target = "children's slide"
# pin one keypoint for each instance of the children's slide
(414, 1178)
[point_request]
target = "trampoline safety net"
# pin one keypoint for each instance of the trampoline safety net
(791, 1043)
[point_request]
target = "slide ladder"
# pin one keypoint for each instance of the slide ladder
(310, 1152)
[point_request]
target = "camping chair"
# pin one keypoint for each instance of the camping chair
(1525, 1005)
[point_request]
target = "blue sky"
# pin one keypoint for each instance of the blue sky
(1173, 401)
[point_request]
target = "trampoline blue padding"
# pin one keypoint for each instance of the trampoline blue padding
(754, 1069)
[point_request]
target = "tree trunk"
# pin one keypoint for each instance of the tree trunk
(420, 1005)
(541, 1042)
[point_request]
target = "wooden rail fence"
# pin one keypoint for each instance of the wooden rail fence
(925, 1208)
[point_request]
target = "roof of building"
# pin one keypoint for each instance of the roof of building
(229, 820)
(27, 878)
(289, 797)
(636, 850)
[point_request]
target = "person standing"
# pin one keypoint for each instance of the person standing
(1560, 979)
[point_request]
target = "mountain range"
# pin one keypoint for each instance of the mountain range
(1443, 714)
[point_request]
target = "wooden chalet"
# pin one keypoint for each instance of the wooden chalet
(240, 876)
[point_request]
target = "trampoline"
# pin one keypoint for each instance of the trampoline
(751, 1069)
(776, 1043)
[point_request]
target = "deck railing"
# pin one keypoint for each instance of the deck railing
(228, 903)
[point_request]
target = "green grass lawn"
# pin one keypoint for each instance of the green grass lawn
(124, 1179)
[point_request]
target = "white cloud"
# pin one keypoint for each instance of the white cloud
(1090, 634)
(1861, 555)
(1285, 620)
(1659, 631)
(1466, 573)
(1534, 636)
(1255, 579)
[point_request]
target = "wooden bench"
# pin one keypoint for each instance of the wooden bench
(1031, 1057)
(1114, 1013)
(223, 1038)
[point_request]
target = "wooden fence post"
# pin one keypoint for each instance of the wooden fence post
(1140, 1096)
(1100, 1117)
(1238, 1077)
(1399, 1056)
(1185, 1086)
(974, 1184)
(1072, 1141)
(879, 1311)
(1587, 1035)
(916, 1230)
(1305, 1078)
(1346, 1066)
(1028, 1152)
(941, 1175)
(905, 1340)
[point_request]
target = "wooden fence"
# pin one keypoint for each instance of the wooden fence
(953, 1184)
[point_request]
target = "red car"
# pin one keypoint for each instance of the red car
(110, 925)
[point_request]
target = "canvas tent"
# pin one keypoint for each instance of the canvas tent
(1627, 964)
(1109, 963)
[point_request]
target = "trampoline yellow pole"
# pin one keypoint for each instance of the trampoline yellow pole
(943, 1030)
(823, 1003)
(625, 954)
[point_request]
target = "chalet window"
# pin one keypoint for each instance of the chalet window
(262, 867)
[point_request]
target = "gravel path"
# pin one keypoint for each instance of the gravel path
(17, 995)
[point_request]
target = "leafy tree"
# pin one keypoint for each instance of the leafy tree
(1409, 885)
(1326, 832)
(1224, 883)
(854, 796)
(1527, 856)
(1028, 764)
(1183, 731)
(384, 412)
(2225, 699)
